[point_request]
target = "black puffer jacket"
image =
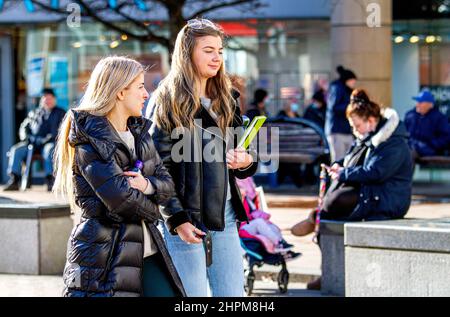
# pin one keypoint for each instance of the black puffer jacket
(201, 186)
(105, 251)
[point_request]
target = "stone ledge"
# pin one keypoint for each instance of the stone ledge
(431, 235)
(34, 237)
(33, 210)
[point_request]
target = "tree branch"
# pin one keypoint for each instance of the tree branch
(222, 5)
(148, 37)
(48, 8)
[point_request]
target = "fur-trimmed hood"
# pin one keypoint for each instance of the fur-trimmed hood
(388, 129)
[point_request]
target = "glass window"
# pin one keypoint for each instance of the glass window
(288, 58)
(63, 58)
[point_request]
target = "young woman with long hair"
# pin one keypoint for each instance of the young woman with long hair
(116, 248)
(200, 227)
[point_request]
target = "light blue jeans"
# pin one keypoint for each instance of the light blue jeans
(225, 277)
(18, 154)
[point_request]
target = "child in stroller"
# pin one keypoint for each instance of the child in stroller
(261, 239)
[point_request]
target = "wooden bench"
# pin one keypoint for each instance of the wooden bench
(433, 163)
(299, 141)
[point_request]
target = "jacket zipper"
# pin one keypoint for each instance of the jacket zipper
(111, 253)
(201, 183)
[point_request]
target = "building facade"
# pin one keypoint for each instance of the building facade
(288, 47)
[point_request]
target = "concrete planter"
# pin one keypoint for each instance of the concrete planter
(333, 257)
(33, 238)
(398, 258)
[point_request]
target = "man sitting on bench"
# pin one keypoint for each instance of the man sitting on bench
(40, 129)
(428, 128)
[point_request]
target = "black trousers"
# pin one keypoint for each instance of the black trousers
(339, 203)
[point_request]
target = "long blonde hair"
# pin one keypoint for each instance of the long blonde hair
(177, 98)
(110, 76)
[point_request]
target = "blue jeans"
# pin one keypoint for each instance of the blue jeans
(225, 277)
(18, 154)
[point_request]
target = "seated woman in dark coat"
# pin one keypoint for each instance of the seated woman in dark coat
(374, 180)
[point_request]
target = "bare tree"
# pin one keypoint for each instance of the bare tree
(142, 30)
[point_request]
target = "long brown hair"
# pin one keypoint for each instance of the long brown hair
(177, 99)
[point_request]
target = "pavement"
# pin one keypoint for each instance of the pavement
(52, 286)
(287, 205)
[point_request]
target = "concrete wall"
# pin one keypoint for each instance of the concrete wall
(407, 257)
(333, 257)
(388, 273)
(19, 246)
(333, 265)
(32, 240)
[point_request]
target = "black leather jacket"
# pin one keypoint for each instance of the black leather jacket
(105, 251)
(201, 186)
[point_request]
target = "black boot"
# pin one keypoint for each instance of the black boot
(13, 183)
(50, 180)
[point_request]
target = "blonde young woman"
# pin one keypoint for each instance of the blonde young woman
(200, 228)
(116, 249)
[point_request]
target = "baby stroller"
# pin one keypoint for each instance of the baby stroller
(256, 253)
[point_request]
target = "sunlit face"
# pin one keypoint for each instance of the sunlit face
(362, 127)
(207, 56)
(48, 101)
(134, 96)
(423, 107)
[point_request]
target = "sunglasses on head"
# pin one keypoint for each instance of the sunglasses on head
(199, 24)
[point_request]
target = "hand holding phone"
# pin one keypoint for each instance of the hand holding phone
(326, 167)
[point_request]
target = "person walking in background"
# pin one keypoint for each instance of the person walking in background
(40, 129)
(258, 106)
(337, 128)
(200, 227)
(429, 129)
(107, 166)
